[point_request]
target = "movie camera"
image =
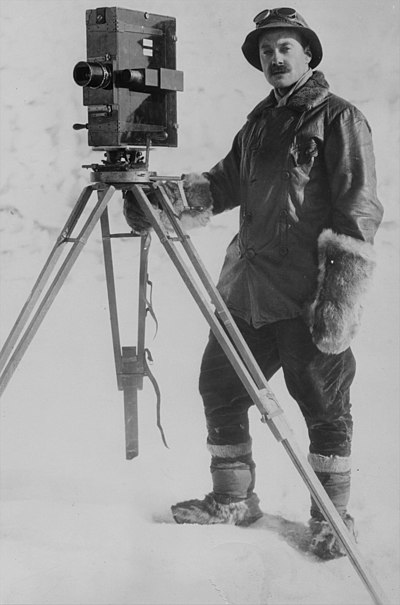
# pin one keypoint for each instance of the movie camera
(129, 79)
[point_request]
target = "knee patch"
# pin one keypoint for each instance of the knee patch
(230, 428)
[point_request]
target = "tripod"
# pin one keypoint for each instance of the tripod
(131, 362)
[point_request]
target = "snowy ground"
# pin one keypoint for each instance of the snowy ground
(79, 524)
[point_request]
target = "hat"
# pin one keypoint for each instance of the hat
(273, 18)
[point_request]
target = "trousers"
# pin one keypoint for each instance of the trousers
(319, 383)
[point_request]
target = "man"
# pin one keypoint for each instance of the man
(302, 171)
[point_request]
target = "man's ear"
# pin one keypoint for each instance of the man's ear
(308, 53)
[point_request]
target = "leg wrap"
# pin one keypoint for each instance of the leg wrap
(232, 480)
(232, 472)
(334, 473)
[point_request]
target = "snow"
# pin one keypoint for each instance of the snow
(81, 525)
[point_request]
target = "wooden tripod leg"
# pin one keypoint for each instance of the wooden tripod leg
(104, 197)
(132, 381)
(133, 367)
(129, 361)
(112, 298)
(44, 276)
(131, 422)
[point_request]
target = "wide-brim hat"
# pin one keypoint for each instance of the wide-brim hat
(274, 18)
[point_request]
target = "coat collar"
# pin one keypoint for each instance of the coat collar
(314, 91)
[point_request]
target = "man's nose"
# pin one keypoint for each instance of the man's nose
(277, 58)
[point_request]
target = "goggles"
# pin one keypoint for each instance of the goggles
(289, 14)
(271, 18)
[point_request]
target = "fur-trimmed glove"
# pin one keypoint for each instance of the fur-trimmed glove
(196, 210)
(193, 212)
(134, 215)
(346, 265)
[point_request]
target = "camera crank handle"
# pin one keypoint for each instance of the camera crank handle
(80, 126)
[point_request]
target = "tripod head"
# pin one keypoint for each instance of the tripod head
(123, 165)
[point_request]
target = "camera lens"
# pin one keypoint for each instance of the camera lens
(94, 75)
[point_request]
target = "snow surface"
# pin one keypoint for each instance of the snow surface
(80, 525)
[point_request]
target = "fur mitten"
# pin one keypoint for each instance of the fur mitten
(134, 215)
(194, 211)
(197, 189)
(345, 271)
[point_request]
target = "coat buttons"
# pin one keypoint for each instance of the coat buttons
(250, 253)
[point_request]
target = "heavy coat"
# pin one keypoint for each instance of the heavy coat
(295, 171)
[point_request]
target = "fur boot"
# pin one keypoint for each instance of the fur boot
(324, 543)
(209, 511)
(345, 270)
(334, 473)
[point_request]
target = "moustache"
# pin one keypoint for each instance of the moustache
(278, 70)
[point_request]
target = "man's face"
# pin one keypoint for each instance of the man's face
(283, 57)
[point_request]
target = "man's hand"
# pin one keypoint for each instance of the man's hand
(191, 200)
(134, 215)
(193, 218)
(197, 191)
(346, 266)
